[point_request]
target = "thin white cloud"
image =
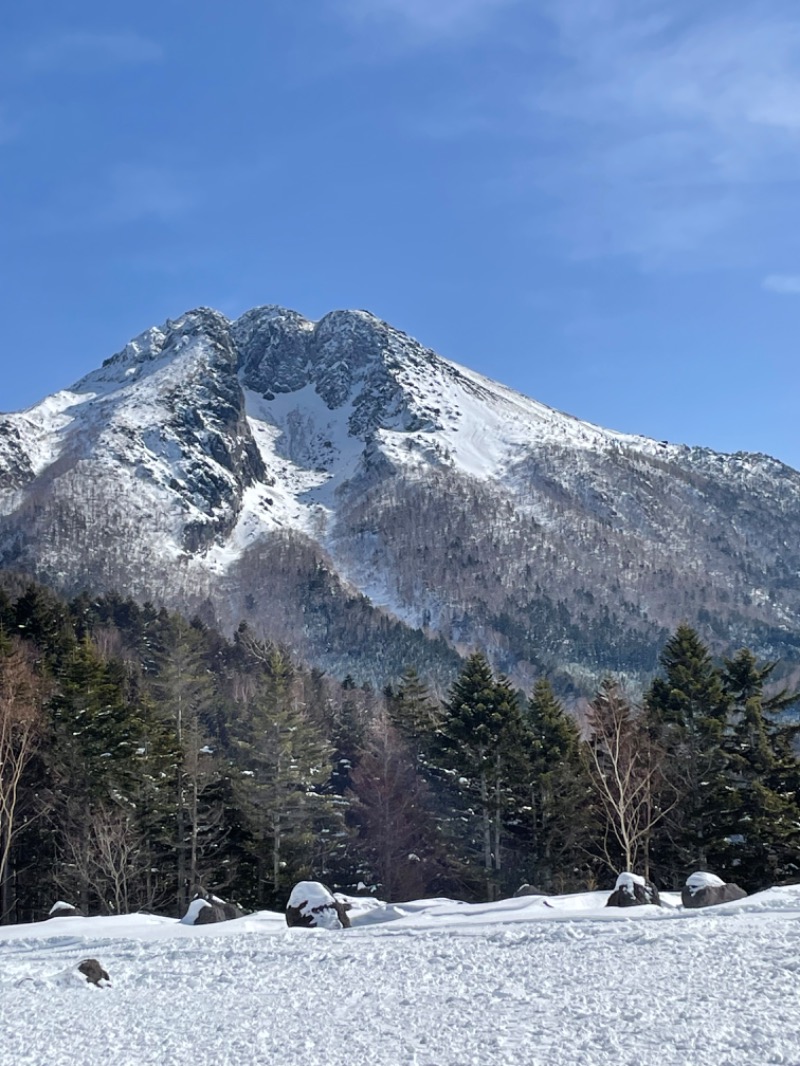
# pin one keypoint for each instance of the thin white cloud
(785, 284)
(88, 49)
(675, 117)
(424, 19)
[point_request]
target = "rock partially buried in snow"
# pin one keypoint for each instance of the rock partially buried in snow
(528, 890)
(313, 905)
(205, 909)
(631, 890)
(64, 910)
(707, 890)
(94, 973)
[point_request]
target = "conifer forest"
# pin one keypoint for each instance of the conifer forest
(143, 756)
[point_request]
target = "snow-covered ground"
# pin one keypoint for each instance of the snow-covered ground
(436, 983)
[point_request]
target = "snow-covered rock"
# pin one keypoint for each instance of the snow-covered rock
(194, 910)
(61, 909)
(703, 879)
(206, 908)
(704, 889)
(313, 905)
(632, 890)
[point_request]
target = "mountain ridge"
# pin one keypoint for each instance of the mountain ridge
(199, 463)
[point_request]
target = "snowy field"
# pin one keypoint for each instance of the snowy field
(434, 983)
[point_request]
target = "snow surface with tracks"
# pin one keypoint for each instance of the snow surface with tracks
(528, 982)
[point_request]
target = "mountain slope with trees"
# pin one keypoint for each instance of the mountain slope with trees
(143, 756)
(365, 503)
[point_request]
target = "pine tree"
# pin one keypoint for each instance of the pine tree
(186, 695)
(97, 734)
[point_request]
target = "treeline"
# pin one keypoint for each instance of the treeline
(142, 755)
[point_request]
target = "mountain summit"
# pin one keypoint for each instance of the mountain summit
(346, 490)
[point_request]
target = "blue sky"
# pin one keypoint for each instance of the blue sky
(595, 201)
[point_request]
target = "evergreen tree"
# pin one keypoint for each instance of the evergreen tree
(413, 712)
(186, 695)
(758, 837)
(559, 791)
(687, 714)
(481, 745)
(283, 765)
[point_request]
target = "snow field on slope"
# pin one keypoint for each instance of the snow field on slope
(513, 983)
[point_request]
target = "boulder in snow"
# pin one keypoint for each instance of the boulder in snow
(631, 890)
(707, 890)
(205, 909)
(528, 890)
(94, 973)
(313, 905)
(64, 910)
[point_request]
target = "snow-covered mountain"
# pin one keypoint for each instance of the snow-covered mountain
(341, 487)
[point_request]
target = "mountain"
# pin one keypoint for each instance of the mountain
(347, 491)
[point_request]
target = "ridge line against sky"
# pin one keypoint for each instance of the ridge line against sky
(593, 201)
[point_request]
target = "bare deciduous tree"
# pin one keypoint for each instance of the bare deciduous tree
(625, 770)
(106, 860)
(21, 723)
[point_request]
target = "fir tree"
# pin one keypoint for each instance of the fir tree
(283, 764)
(481, 745)
(687, 714)
(758, 838)
(559, 790)
(186, 695)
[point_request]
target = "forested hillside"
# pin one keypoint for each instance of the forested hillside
(142, 756)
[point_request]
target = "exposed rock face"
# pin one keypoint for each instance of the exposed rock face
(633, 891)
(273, 469)
(312, 905)
(707, 890)
(94, 972)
